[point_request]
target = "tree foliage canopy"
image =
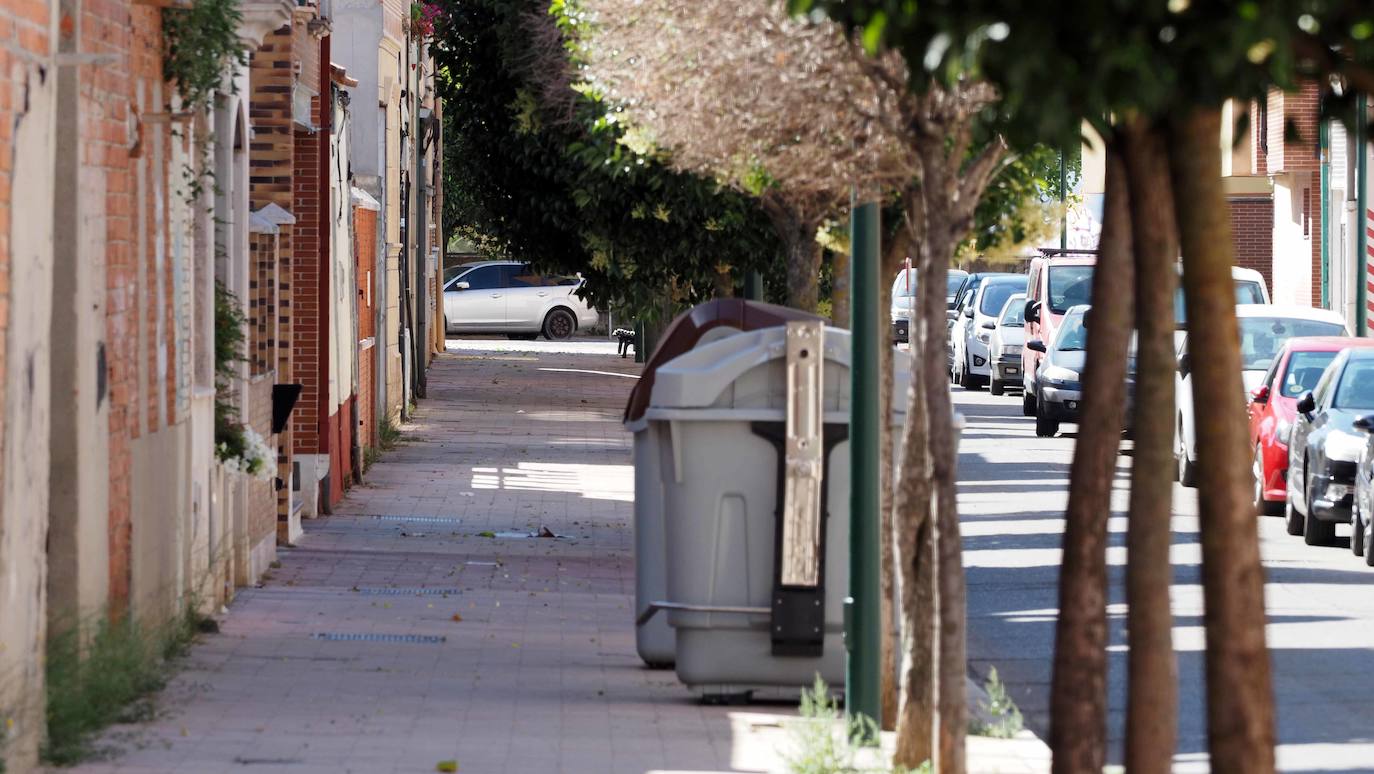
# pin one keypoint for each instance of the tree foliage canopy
(554, 184)
(1057, 64)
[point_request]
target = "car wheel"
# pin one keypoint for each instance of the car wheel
(1357, 530)
(1262, 506)
(559, 325)
(1044, 426)
(1369, 545)
(1316, 532)
(1027, 404)
(1187, 469)
(996, 388)
(965, 378)
(1292, 519)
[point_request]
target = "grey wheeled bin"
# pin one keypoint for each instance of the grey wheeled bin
(721, 412)
(703, 324)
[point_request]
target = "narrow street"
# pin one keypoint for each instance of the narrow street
(420, 623)
(1013, 490)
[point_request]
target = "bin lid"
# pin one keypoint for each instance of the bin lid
(745, 374)
(687, 330)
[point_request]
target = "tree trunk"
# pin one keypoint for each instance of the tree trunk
(952, 670)
(724, 281)
(1078, 692)
(893, 258)
(839, 290)
(1152, 697)
(1240, 709)
(796, 230)
(914, 548)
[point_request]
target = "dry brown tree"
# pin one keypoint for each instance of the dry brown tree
(792, 111)
(766, 103)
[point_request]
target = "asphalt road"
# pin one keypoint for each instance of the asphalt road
(1320, 600)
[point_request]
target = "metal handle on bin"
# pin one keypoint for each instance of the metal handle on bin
(654, 607)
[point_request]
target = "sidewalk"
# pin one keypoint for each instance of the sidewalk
(420, 624)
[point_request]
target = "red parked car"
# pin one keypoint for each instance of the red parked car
(1273, 405)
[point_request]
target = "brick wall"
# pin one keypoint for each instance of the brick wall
(367, 389)
(1252, 235)
(1298, 111)
(262, 500)
(271, 166)
(142, 387)
(306, 205)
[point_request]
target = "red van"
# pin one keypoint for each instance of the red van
(1052, 287)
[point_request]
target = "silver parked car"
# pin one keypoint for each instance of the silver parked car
(508, 297)
(1007, 336)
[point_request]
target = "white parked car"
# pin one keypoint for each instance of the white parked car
(904, 300)
(1263, 330)
(508, 297)
(1005, 344)
(973, 326)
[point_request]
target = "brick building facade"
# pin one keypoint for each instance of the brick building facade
(116, 271)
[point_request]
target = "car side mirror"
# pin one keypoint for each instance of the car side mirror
(1185, 364)
(1260, 394)
(990, 325)
(1307, 404)
(461, 286)
(1032, 311)
(1036, 345)
(1364, 424)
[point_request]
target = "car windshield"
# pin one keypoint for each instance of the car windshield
(995, 295)
(1073, 336)
(1014, 313)
(905, 284)
(1356, 389)
(1069, 286)
(1304, 371)
(1261, 338)
(1247, 292)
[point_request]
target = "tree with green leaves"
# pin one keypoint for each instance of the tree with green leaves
(552, 183)
(1163, 71)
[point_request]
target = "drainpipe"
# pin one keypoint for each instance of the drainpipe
(1323, 195)
(862, 675)
(1362, 216)
(325, 232)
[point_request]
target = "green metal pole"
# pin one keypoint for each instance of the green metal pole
(865, 624)
(753, 286)
(1362, 216)
(1324, 133)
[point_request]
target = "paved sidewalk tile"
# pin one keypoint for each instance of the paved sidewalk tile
(400, 633)
(519, 656)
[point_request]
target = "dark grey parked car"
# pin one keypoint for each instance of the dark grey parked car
(1324, 447)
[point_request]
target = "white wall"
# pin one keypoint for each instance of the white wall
(1293, 249)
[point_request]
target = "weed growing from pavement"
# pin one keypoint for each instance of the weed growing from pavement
(388, 435)
(824, 738)
(95, 678)
(1006, 717)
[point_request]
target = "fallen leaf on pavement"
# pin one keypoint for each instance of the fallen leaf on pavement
(457, 617)
(446, 766)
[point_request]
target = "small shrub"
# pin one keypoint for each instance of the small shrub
(388, 435)
(106, 677)
(1006, 717)
(825, 739)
